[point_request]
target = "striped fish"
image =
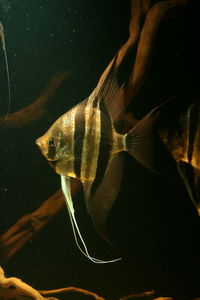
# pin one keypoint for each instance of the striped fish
(84, 144)
(182, 138)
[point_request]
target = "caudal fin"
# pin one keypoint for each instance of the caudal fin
(145, 145)
(140, 140)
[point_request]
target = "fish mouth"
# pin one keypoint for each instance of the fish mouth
(38, 142)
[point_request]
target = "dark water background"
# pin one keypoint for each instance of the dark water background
(153, 224)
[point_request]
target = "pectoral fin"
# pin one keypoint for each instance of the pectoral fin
(101, 201)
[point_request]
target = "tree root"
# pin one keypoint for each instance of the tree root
(37, 109)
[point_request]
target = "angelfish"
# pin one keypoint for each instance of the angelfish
(84, 144)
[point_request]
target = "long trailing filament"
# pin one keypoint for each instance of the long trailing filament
(65, 184)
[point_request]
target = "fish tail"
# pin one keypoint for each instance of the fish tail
(140, 140)
(145, 145)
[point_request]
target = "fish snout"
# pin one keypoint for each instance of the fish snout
(41, 143)
(38, 142)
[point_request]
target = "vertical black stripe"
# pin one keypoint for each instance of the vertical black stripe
(90, 154)
(95, 102)
(105, 147)
(79, 134)
(51, 152)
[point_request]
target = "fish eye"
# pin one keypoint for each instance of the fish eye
(53, 142)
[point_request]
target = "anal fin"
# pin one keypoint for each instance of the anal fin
(103, 198)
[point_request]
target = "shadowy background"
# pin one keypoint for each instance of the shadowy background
(153, 224)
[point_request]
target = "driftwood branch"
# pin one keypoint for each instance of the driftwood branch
(18, 288)
(147, 36)
(28, 225)
(14, 288)
(36, 110)
(72, 289)
(144, 38)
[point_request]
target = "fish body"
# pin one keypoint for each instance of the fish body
(76, 138)
(182, 138)
(81, 144)
(84, 144)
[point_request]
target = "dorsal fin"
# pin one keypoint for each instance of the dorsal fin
(110, 92)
